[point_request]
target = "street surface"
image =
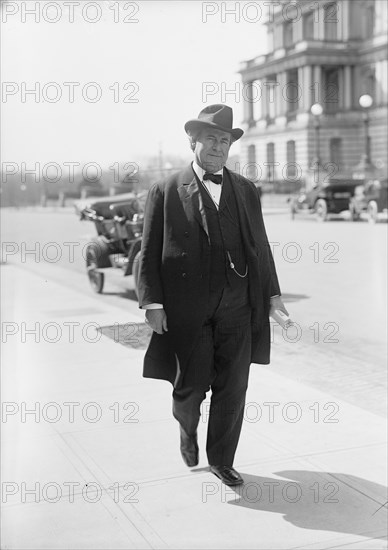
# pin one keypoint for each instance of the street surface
(90, 450)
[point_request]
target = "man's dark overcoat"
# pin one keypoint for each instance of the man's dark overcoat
(175, 263)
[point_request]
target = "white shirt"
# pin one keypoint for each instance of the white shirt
(212, 188)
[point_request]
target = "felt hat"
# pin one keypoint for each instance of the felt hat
(217, 116)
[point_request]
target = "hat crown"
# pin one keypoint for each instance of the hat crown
(219, 114)
(216, 116)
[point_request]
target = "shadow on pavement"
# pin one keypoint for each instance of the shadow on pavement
(321, 501)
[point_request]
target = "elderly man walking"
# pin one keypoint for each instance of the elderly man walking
(207, 281)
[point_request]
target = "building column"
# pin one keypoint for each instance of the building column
(344, 20)
(256, 97)
(347, 89)
(319, 23)
(381, 15)
(280, 101)
(381, 81)
(264, 99)
(317, 91)
(305, 81)
(298, 30)
(340, 20)
(301, 98)
(248, 104)
(271, 99)
(384, 81)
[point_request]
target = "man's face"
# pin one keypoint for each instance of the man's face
(212, 149)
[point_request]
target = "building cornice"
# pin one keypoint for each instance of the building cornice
(295, 60)
(263, 66)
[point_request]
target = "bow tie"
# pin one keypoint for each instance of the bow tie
(215, 178)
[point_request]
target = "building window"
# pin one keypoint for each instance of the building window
(331, 90)
(291, 160)
(336, 153)
(288, 34)
(292, 93)
(330, 19)
(308, 26)
(270, 162)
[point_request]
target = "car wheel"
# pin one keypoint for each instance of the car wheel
(97, 256)
(135, 271)
(321, 210)
(96, 278)
(102, 251)
(372, 212)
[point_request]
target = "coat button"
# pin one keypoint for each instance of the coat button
(184, 275)
(184, 254)
(186, 234)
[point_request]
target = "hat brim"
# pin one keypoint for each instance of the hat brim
(192, 126)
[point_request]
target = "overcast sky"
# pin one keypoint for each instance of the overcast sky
(168, 55)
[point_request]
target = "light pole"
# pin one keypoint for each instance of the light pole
(365, 168)
(366, 102)
(316, 111)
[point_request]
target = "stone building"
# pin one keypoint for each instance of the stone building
(326, 52)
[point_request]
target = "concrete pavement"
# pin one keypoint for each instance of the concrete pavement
(96, 464)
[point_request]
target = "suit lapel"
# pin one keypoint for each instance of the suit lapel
(191, 198)
(226, 191)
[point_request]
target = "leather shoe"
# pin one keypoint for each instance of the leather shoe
(189, 448)
(227, 475)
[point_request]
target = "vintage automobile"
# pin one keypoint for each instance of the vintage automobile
(327, 198)
(371, 199)
(119, 224)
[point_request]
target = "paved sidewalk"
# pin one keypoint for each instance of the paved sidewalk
(98, 464)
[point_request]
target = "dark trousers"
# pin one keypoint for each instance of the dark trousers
(220, 362)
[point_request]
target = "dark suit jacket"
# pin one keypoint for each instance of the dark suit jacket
(174, 269)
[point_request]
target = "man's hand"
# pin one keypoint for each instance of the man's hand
(277, 303)
(157, 320)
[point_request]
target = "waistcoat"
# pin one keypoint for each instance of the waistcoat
(225, 238)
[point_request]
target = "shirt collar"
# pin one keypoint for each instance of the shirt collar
(200, 172)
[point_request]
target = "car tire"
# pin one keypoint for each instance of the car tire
(373, 212)
(96, 278)
(102, 251)
(321, 210)
(97, 256)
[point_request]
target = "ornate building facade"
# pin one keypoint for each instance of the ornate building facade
(326, 52)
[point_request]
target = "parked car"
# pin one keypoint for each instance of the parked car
(325, 199)
(371, 199)
(119, 224)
